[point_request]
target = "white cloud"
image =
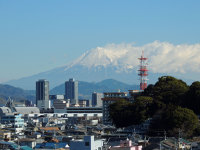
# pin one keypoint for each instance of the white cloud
(163, 57)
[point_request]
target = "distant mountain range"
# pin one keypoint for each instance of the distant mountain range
(85, 90)
(120, 62)
(15, 93)
(93, 66)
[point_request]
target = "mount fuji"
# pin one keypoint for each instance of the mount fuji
(120, 62)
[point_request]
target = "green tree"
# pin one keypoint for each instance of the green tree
(169, 90)
(175, 118)
(145, 105)
(144, 101)
(162, 102)
(148, 91)
(192, 100)
(124, 113)
(120, 112)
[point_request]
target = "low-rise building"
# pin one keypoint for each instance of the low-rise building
(5, 135)
(88, 143)
(19, 110)
(173, 143)
(27, 142)
(126, 145)
(53, 146)
(9, 145)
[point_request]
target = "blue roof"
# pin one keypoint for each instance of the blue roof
(51, 145)
(25, 148)
(13, 145)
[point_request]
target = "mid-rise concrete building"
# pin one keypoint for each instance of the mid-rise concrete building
(16, 121)
(96, 99)
(71, 91)
(59, 103)
(84, 102)
(109, 98)
(60, 106)
(56, 97)
(42, 94)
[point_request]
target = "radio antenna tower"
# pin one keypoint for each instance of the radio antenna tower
(143, 72)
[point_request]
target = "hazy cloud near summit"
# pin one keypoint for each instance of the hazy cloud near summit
(163, 57)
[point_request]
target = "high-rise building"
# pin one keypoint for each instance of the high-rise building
(71, 90)
(42, 94)
(96, 99)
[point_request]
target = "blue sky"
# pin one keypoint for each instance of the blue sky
(39, 35)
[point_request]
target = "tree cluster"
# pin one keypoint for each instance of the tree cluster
(171, 103)
(124, 113)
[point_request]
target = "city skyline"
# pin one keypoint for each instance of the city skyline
(99, 75)
(38, 36)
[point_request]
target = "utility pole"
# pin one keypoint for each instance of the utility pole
(160, 146)
(179, 136)
(18, 146)
(165, 135)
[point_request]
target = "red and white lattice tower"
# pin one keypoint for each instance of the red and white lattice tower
(143, 72)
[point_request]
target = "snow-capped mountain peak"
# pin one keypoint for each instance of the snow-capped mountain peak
(103, 56)
(120, 62)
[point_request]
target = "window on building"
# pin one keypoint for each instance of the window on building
(87, 144)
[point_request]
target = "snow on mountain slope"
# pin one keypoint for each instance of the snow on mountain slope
(120, 62)
(163, 57)
(100, 56)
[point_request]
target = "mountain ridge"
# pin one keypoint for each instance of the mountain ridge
(85, 90)
(15, 93)
(120, 62)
